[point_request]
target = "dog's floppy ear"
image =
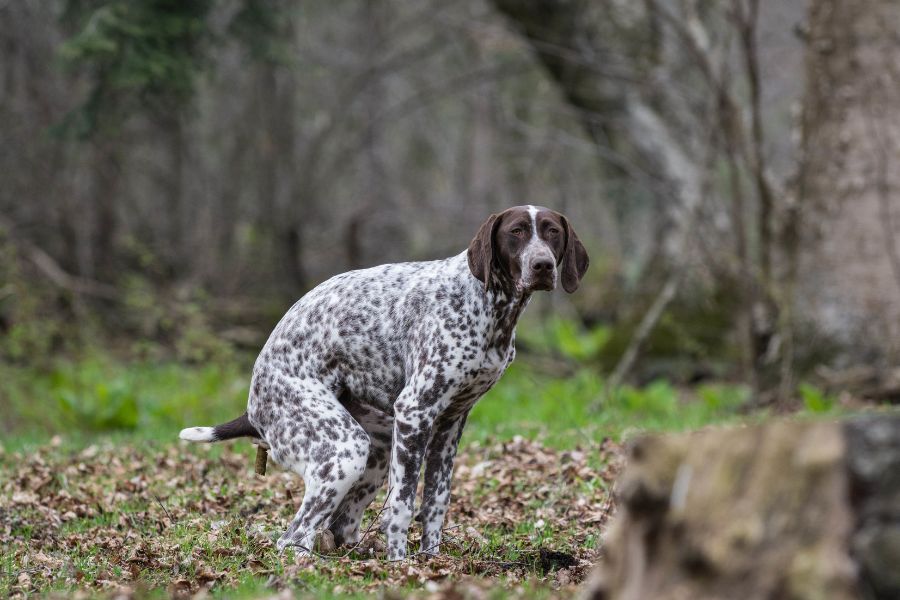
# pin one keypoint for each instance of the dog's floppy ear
(575, 260)
(481, 251)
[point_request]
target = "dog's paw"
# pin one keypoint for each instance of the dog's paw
(284, 543)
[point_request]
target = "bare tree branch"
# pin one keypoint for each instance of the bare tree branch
(56, 274)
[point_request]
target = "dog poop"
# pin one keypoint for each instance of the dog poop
(261, 456)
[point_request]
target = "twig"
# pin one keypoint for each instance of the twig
(165, 510)
(648, 322)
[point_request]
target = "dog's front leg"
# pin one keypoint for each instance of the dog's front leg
(414, 414)
(438, 475)
(411, 430)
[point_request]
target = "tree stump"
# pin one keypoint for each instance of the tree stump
(791, 509)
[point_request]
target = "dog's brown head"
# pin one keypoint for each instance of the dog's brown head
(527, 248)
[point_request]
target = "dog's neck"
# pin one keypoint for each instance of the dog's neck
(503, 302)
(506, 307)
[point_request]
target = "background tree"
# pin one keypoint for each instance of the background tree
(849, 265)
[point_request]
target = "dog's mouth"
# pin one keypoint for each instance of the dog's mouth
(542, 283)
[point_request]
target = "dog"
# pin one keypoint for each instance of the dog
(371, 375)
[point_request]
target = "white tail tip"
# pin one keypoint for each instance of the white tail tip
(198, 434)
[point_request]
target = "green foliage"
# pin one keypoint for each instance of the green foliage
(29, 331)
(100, 406)
(179, 321)
(148, 55)
(564, 337)
(657, 400)
(101, 394)
(39, 322)
(694, 331)
(262, 26)
(692, 335)
(815, 400)
(660, 406)
(140, 53)
(28, 339)
(719, 398)
(579, 344)
(197, 384)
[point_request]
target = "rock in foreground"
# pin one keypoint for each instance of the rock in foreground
(788, 510)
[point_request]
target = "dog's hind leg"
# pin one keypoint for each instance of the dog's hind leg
(347, 518)
(315, 436)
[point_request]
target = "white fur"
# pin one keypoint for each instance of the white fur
(198, 434)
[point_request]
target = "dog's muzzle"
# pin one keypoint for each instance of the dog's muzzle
(542, 274)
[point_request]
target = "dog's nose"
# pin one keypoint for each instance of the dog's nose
(542, 265)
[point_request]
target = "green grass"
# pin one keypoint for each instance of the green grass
(154, 400)
(567, 412)
(79, 400)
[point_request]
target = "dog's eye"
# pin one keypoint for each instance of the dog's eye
(517, 231)
(553, 231)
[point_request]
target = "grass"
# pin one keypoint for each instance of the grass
(101, 395)
(565, 412)
(148, 400)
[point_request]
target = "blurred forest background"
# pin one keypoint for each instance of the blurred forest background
(175, 173)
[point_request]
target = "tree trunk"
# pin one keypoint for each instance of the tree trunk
(583, 54)
(105, 191)
(849, 272)
(277, 182)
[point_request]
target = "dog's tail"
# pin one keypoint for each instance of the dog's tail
(239, 427)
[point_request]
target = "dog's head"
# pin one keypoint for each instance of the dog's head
(527, 248)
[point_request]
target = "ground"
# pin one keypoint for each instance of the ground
(99, 498)
(158, 518)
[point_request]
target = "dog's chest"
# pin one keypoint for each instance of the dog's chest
(481, 373)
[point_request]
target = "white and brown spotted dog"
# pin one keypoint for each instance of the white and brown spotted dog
(370, 376)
